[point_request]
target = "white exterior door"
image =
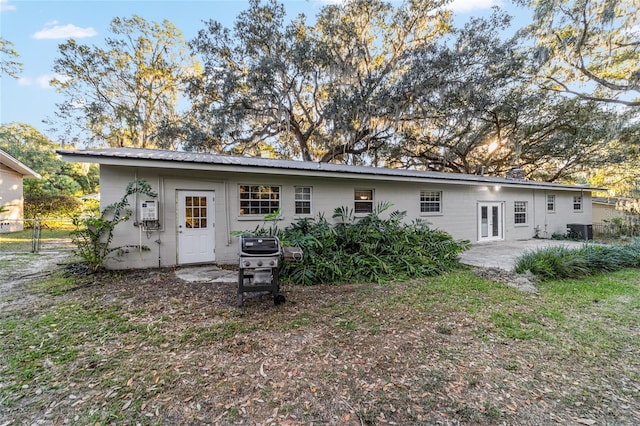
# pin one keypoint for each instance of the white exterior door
(196, 227)
(490, 221)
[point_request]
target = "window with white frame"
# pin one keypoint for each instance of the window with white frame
(303, 199)
(363, 201)
(259, 199)
(430, 202)
(577, 203)
(520, 212)
(551, 203)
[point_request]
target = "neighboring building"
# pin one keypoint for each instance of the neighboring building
(12, 172)
(203, 198)
(606, 209)
(615, 217)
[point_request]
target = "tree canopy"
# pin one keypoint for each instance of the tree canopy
(373, 82)
(32, 148)
(9, 63)
(589, 48)
(318, 92)
(122, 94)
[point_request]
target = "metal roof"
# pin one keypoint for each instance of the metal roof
(17, 166)
(180, 159)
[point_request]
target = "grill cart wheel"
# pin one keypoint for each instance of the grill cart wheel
(279, 299)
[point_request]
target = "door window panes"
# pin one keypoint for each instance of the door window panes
(195, 212)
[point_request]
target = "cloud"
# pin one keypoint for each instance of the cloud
(469, 5)
(41, 81)
(54, 31)
(5, 6)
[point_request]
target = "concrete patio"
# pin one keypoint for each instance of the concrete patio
(206, 274)
(503, 254)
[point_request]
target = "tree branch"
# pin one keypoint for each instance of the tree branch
(588, 97)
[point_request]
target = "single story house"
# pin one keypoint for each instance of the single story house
(12, 172)
(203, 198)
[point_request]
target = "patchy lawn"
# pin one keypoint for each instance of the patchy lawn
(145, 347)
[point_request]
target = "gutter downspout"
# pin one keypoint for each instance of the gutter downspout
(534, 212)
(227, 211)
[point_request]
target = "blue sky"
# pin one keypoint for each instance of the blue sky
(36, 28)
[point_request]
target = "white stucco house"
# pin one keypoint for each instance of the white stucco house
(203, 198)
(12, 173)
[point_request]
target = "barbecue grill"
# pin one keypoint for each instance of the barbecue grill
(258, 269)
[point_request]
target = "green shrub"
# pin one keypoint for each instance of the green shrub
(368, 249)
(47, 205)
(562, 262)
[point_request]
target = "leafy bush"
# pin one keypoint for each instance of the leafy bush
(562, 262)
(47, 205)
(368, 249)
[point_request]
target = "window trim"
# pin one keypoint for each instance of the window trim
(439, 202)
(362, 201)
(257, 215)
(296, 200)
(580, 203)
(553, 203)
(523, 213)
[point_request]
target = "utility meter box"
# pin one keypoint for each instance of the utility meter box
(148, 210)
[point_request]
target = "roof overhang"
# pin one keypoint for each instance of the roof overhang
(134, 157)
(17, 166)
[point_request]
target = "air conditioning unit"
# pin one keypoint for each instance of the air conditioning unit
(580, 231)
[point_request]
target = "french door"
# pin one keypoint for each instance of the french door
(490, 221)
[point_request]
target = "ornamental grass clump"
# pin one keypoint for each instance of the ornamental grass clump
(366, 249)
(562, 262)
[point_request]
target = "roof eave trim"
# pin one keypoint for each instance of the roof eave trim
(18, 166)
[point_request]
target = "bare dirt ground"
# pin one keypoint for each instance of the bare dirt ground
(21, 268)
(357, 354)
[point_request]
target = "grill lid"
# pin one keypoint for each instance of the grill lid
(259, 245)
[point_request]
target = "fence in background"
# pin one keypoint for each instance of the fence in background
(35, 235)
(616, 230)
